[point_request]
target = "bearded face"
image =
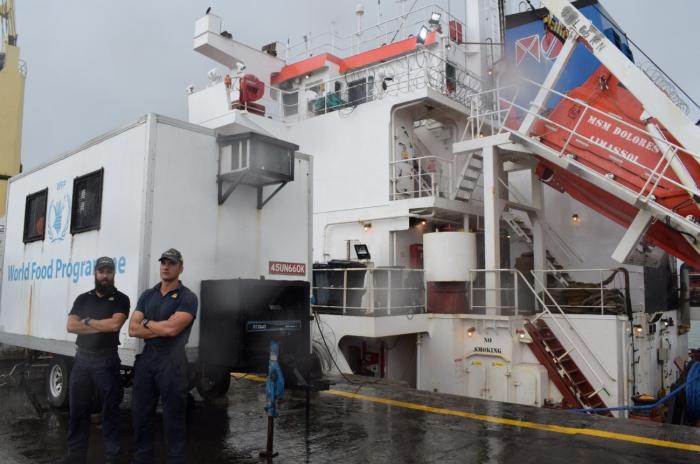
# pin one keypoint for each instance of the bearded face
(104, 281)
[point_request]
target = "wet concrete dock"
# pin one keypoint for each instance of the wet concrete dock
(359, 423)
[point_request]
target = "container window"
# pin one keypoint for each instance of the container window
(35, 216)
(87, 202)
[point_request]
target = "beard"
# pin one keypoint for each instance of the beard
(104, 286)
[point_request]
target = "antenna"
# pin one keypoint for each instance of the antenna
(403, 20)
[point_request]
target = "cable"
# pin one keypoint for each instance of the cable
(348, 379)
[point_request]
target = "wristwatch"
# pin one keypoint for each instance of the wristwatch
(86, 321)
(145, 322)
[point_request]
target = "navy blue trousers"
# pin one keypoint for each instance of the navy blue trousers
(94, 375)
(160, 375)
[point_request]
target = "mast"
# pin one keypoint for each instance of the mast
(12, 76)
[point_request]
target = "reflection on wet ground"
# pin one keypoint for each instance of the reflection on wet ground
(382, 424)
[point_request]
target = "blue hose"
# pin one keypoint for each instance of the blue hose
(633, 408)
(692, 397)
(692, 393)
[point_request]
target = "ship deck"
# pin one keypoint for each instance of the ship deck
(358, 422)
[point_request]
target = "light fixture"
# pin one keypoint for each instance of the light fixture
(434, 18)
(367, 226)
(638, 330)
(490, 72)
(575, 219)
(307, 75)
(423, 222)
(523, 336)
(422, 35)
(470, 331)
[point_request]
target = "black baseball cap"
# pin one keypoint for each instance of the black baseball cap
(104, 262)
(171, 255)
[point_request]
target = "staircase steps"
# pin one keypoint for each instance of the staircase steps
(562, 369)
(468, 178)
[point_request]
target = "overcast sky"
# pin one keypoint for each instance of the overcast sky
(95, 65)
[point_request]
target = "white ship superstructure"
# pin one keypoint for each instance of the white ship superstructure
(442, 259)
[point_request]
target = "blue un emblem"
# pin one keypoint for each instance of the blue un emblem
(59, 219)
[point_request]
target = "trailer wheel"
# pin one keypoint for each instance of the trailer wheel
(57, 381)
(213, 382)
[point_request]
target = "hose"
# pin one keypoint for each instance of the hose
(692, 394)
(632, 408)
(692, 397)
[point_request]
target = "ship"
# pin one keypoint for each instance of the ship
(505, 204)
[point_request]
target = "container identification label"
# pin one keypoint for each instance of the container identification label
(273, 326)
(283, 268)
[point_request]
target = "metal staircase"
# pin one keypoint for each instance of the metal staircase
(468, 178)
(562, 369)
(524, 232)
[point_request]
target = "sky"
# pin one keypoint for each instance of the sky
(96, 65)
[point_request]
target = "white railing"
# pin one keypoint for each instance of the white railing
(508, 295)
(425, 176)
(567, 331)
(415, 71)
(369, 291)
(495, 117)
(369, 37)
(602, 293)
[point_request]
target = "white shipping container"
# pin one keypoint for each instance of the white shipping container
(159, 191)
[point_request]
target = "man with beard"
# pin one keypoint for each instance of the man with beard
(96, 317)
(163, 317)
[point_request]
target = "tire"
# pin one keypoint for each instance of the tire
(57, 381)
(213, 382)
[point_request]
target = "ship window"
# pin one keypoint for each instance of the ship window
(357, 92)
(35, 216)
(290, 103)
(87, 202)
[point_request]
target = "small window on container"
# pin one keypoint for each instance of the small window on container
(35, 216)
(86, 213)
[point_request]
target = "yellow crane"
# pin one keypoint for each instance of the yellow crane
(13, 72)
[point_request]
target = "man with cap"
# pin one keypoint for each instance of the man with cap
(163, 317)
(96, 317)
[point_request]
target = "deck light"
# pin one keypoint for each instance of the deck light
(575, 219)
(422, 35)
(470, 331)
(367, 226)
(434, 18)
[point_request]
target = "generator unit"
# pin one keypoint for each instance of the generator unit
(239, 319)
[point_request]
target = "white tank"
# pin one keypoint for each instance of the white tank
(449, 256)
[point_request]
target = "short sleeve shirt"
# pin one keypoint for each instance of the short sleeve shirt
(91, 305)
(157, 307)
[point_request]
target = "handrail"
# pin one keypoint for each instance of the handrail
(549, 230)
(546, 310)
(416, 70)
(304, 46)
(654, 175)
(373, 294)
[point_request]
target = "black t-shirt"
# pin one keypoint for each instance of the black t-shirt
(157, 307)
(96, 307)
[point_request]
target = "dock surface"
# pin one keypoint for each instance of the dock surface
(360, 422)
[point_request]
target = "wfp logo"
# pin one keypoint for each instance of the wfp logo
(59, 219)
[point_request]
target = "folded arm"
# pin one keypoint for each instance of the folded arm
(111, 324)
(168, 328)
